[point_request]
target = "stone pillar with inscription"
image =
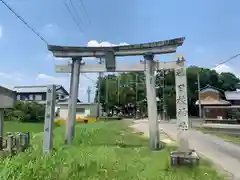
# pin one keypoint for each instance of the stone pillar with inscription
(181, 94)
(49, 118)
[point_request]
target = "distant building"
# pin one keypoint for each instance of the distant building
(212, 102)
(38, 93)
(233, 97)
(82, 110)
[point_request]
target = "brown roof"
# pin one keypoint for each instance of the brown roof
(211, 101)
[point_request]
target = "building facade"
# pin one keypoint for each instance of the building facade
(38, 93)
(83, 110)
(212, 103)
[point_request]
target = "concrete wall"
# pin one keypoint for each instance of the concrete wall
(83, 110)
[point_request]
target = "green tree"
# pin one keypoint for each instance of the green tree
(127, 87)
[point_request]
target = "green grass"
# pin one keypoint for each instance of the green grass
(101, 151)
(227, 138)
(12, 126)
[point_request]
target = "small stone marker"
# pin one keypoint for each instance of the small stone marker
(184, 155)
(183, 144)
(10, 143)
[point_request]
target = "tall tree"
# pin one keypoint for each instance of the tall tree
(126, 87)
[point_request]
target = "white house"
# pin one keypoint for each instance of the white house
(83, 110)
(38, 93)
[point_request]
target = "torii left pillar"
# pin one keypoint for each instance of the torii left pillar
(151, 103)
(72, 102)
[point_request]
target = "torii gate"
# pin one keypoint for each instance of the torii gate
(148, 50)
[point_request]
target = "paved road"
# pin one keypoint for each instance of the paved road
(223, 154)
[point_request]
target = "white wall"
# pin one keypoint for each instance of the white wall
(89, 110)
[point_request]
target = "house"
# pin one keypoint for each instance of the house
(233, 97)
(38, 93)
(212, 103)
(82, 110)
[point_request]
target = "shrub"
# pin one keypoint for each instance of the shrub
(24, 111)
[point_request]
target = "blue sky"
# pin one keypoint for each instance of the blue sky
(211, 28)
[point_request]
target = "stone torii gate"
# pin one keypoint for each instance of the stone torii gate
(148, 50)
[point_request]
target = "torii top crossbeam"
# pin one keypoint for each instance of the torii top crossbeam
(159, 47)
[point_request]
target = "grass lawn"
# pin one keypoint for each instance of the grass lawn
(227, 138)
(12, 126)
(101, 151)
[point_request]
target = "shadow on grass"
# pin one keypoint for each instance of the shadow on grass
(122, 145)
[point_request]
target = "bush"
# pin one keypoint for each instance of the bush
(24, 111)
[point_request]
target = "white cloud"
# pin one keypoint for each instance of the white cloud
(223, 68)
(11, 76)
(1, 33)
(10, 79)
(94, 43)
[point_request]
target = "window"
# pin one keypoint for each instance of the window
(18, 97)
(31, 97)
(80, 110)
(38, 97)
(24, 97)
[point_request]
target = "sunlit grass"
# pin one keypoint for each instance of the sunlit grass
(12, 126)
(101, 151)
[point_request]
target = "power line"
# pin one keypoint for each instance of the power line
(227, 60)
(85, 11)
(24, 22)
(75, 10)
(88, 78)
(73, 17)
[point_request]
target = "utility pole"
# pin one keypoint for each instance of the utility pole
(118, 89)
(199, 101)
(136, 85)
(99, 90)
(106, 95)
(89, 94)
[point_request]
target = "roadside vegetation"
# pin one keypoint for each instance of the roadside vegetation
(233, 139)
(101, 151)
(24, 111)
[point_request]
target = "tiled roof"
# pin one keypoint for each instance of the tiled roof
(32, 89)
(232, 95)
(211, 101)
(212, 88)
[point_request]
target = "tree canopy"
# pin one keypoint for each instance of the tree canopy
(119, 90)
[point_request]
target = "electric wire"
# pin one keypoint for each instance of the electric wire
(85, 11)
(72, 16)
(227, 60)
(24, 22)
